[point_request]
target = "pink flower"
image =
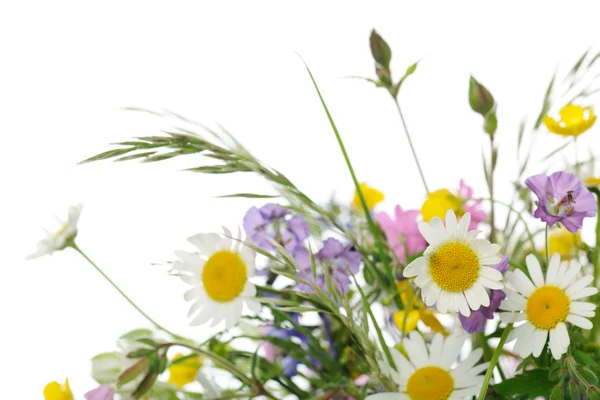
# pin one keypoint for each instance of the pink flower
(402, 232)
(470, 206)
(103, 392)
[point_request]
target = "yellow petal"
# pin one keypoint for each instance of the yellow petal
(438, 203)
(553, 126)
(54, 391)
(565, 243)
(372, 197)
(572, 114)
(411, 320)
(592, 181)
(429, 319)
(184, 372)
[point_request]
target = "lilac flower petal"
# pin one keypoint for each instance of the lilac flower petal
(272, 211)
(502, 266)
(103, 392)
(331, 249)
(298, 226)
(473, 323)
(496, 297)
(253, 221)
(302, 257)
(537, 184)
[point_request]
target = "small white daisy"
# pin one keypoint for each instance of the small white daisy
(428, 374)
(59, 240)
(219, 273)
(545, 305)
(455, 271)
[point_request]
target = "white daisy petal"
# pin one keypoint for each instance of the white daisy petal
(553, 268)
(466, 392)
(579, 284)
(486, 282)
(512, 317)
(451, 224)
(521, 282)
(535, 270)
(468, 362)
(415, 268)
(452, 346)
(562, 270)
(585, 292)
(461, 303)
(482, 295)
(435, 352)
(205, 242)
(563, 334)
(432, 295)
(463, 225)
(556, 347)
(539, 341)
(571, 273)
(472, 299)
(417, 350)
(443, 301)
(490, 260)
(491, 273)
(429, 233)
(387, 396)
(579, 321)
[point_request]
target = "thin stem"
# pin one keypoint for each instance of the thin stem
(371, 224)
(495, 357)
(596, 268)
(491, 181)
(519, 216)
(76, 248)
(412, 147)
(547, 243)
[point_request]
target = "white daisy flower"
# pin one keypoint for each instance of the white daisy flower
(428, 374)
(546, 304)
(455, 271)
(219, 273)
(59, 239)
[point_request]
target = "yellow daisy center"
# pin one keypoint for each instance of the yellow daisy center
(547, 306)
(454, 267)
(430, 383)
(224, 276)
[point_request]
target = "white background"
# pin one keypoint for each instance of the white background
(67, 68)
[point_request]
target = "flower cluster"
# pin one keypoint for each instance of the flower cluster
(416, 303)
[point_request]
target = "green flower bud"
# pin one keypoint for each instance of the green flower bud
(380, 50)
(133, 372)
(480, 99)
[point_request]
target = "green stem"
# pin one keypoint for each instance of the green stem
(547, 243)
(495, 357)
(372, 227)
(76, 248)
(596, 260)
(410, 143)
(519, 216)
(491, 180)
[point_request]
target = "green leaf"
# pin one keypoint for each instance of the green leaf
(534, 383)
(409, 71)
(546, 104)
(134, 156)
(583, 358)
(249, 196)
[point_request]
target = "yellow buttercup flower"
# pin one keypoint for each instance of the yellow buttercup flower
(439, 202)
(564, 243)
(372, 197)
(592, 181)
(574, 121)
(416, 312)
(56, 391)
(185, 371)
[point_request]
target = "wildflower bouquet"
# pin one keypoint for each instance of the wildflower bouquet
(341, 301)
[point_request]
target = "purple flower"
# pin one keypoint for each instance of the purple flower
(335, 259)
(103, 392)
(271, 222)
(562, 199)
(288, 363)
(476, 321)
